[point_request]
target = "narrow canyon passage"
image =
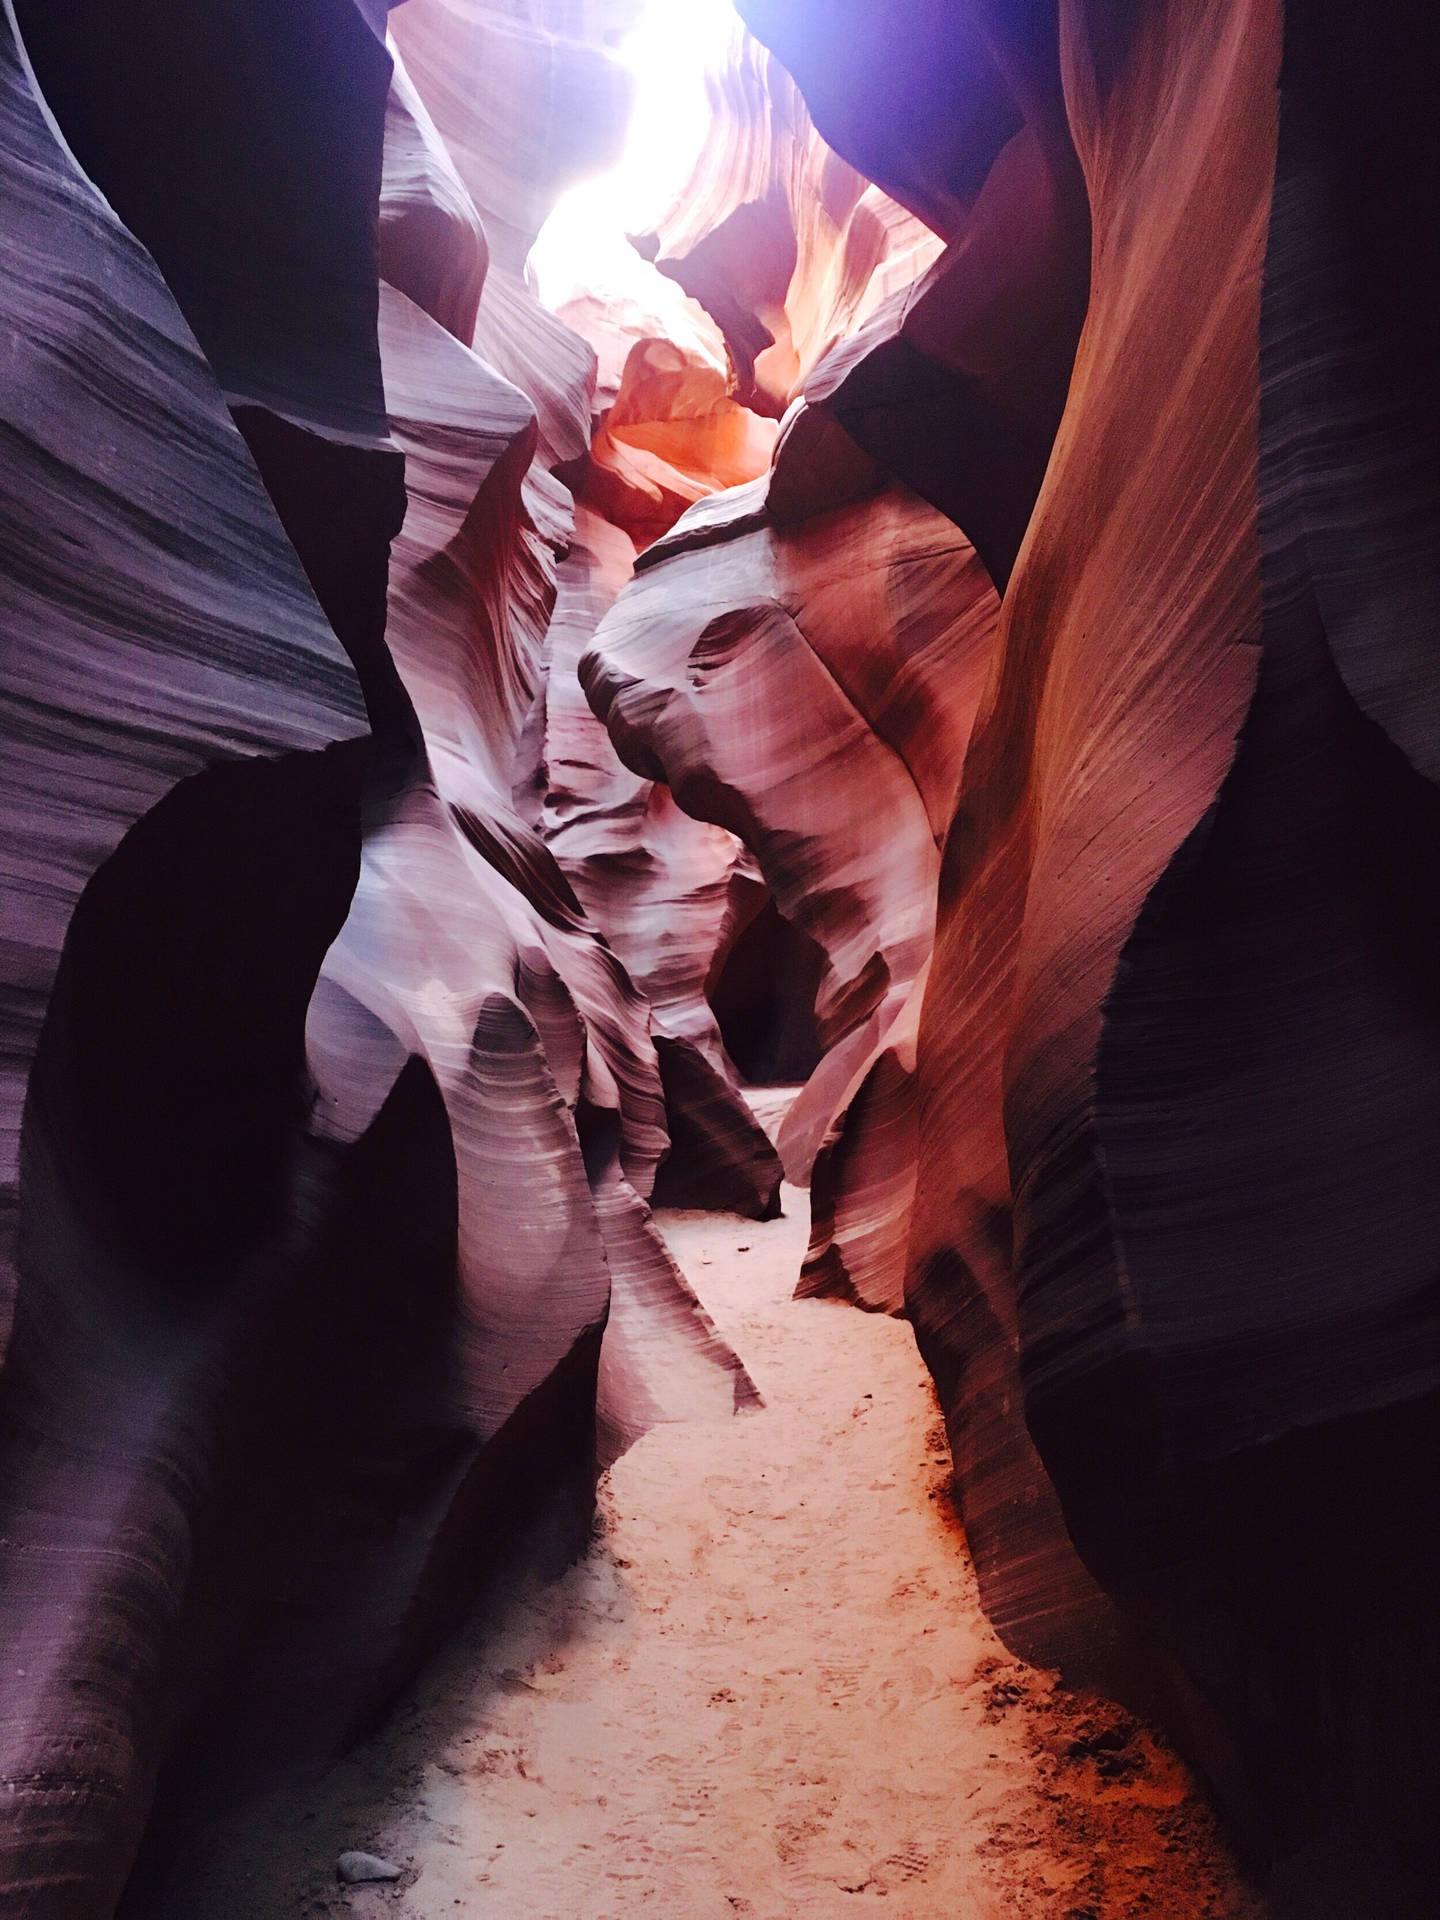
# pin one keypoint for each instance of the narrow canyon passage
(561, 560)
(766, 1690)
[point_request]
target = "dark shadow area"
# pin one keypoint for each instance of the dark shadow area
(762, 986)
(719, 1155)
(240, 142)
(171, 1068)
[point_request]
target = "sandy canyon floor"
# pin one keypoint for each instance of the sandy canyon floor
(766, 1691)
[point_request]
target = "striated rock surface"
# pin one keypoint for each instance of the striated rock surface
(329, 1114)
(658, 882)
(1081, 746)
(955, 384)
(432, 242)
(1293, 1433)
(1030, 650)
(526, 101)
(781, 680)
(670, 435)
(862, 1177)
(182, 844)
(255, 183)
(1157, 1132)
(472, 586)
(782, 242)
(1173, 1231)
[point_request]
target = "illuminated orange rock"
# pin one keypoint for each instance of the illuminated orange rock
(673, 435)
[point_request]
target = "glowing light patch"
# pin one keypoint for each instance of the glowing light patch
(582, 247)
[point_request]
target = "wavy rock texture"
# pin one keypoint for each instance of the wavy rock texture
(1113, 898)
(671, 435)
(256, 198)
(1295, 1434)
(1174, 1226)
(246, 1473)
(1166, 1119)
(862, 1177)
(432, 241)
(674, 434)
(785, 245)
(658, 882)
(526, 101)
(781, 681)
(955, 385)
(1106, 729)
(183, 828)
(472, 586)
(911, 94)
(615, 323)
(862, 634)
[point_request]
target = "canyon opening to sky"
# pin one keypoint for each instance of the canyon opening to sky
(673, 53)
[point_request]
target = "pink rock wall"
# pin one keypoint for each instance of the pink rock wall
(671, 435)
(1165, 1089)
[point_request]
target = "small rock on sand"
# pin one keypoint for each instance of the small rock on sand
(355, 1867)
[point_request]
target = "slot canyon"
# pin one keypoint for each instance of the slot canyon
(721, 959)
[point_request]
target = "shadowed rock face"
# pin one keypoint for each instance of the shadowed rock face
(432, 245)
(1297, 1433)
(326, 1256)
(911, 93)
(1107, 726)
(1176, 1070)
(955, 384)
(256, 199)
(184, 828)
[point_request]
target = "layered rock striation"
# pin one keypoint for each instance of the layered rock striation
(1147, 1147)
(331, 1116)
(1172, 1251)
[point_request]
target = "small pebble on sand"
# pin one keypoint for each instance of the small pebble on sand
(354, 1868)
